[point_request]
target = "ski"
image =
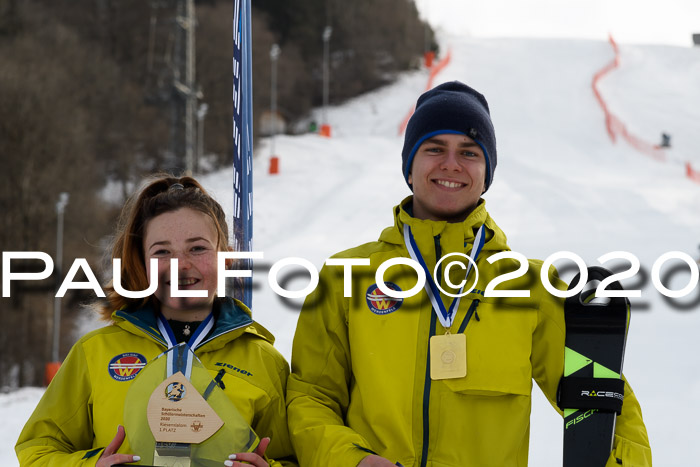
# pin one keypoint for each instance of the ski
(592, 389)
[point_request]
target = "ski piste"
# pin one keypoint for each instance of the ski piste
(242, 141)
(591, 391)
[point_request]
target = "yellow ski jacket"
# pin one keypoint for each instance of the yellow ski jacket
(361, 382)
(82, 407)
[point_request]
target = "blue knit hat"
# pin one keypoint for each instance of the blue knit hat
(453, 108)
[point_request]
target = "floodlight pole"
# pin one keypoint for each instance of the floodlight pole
(201, 113)
(60, 210)
(327, 31)
(274, 55)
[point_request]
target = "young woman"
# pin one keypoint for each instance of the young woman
(80, 419)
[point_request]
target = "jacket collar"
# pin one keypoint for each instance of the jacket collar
(464, 231)
(232, 318)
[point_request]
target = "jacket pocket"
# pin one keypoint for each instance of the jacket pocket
(499, 345)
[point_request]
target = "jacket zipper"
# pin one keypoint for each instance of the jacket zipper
(428, 381)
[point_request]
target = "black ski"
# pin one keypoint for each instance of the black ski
(591, 391)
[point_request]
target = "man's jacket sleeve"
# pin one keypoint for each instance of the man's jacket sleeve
(631, 443)
(59, 432)
(318, 388)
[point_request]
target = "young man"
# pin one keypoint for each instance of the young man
(380, 381)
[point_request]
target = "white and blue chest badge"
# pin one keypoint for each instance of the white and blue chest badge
(125, 366)
(380, 303)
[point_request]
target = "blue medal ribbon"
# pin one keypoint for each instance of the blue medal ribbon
(445, 316)
(180, 358)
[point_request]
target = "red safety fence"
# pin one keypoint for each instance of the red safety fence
(616, 127)
(434, 70)
(691, 173)
(613, 124)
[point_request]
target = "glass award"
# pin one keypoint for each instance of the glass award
(176, 415)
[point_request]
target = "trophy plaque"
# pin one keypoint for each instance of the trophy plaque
(178, 419)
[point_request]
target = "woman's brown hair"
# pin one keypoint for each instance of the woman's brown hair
(161, 194)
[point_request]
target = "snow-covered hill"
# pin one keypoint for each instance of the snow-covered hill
(561, 184)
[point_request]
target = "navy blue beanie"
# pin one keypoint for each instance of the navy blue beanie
(453, 108)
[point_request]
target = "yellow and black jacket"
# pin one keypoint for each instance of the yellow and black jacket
(360, 378)
(82, 407)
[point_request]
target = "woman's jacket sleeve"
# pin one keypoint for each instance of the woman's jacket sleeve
(59, 432)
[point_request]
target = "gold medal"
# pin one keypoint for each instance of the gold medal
(448, 356)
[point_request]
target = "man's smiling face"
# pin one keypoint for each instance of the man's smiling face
(448, 176)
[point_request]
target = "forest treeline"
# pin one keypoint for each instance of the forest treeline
(84, 105)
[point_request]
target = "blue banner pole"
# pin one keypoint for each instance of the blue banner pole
(243, 141)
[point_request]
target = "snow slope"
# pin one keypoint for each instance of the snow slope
(560, 185)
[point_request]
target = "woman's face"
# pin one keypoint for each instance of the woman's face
(191, 237)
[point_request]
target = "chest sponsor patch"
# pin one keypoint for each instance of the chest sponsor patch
(126, 366)
(234, 368)
(381, 304)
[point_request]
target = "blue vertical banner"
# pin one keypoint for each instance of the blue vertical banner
(242, 141)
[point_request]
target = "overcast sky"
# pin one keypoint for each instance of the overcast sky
(629, 21)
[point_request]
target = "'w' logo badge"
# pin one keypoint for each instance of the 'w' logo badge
(126, 366)
(380, 303)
